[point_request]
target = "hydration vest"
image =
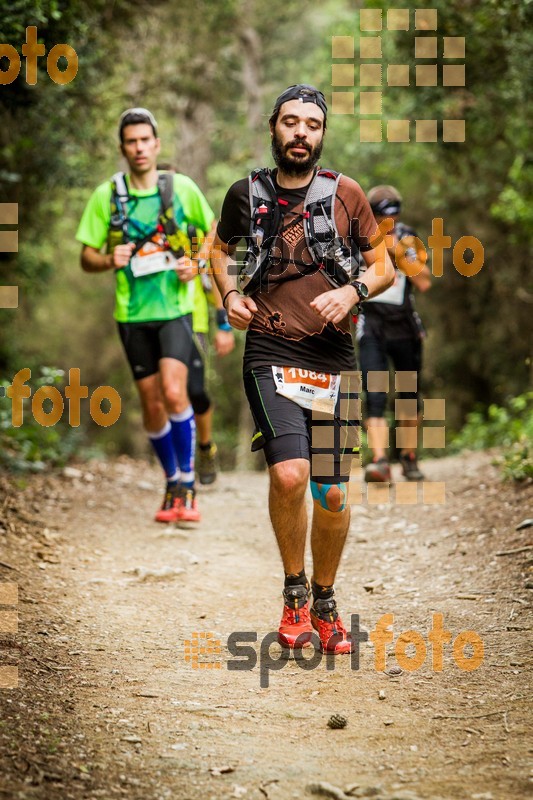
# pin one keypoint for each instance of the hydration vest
(329, 252)
(176, 240)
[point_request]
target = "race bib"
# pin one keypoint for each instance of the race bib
(394, 294)
(317, 391)
(151, 258)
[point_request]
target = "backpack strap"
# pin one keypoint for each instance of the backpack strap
(402, 230)
(165, 185)
(166, 223)
(265, 220)
(329, 251)
(118, 224)
(320, 206)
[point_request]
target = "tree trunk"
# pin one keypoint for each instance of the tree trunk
(193, 141)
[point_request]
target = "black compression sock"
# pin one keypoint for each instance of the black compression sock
(322, 592)
(296, 579)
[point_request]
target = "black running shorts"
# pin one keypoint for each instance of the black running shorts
(374, 355)
(146, 343)
(285, 430)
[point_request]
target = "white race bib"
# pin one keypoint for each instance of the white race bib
(317, 391)
(152, 258)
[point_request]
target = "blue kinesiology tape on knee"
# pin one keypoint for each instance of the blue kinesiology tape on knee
(320, 490)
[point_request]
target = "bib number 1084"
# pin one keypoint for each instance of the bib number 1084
(302, 374)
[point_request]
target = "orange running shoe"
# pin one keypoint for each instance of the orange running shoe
(167, 512)
(295, 629)
(332, 633)
(186, 510)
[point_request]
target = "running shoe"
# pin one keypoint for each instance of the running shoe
(207, 464)
(295, 629)
(378, 471)
(410, 467)
(167, 512)
(186, 509)
(332, 633)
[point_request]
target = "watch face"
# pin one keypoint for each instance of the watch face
(362, 289)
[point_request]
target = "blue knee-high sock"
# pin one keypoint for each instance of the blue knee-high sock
(184, 438)
(163, 445)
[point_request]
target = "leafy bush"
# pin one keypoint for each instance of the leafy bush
(33, 446)
(509, 427)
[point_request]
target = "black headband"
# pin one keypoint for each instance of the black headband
(386, 207)
(304, 93)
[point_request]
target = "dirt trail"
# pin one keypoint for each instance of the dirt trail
(109, 707)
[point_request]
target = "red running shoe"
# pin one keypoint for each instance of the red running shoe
(186, 509)
(332, 633)
(168, 511)
(295, 629)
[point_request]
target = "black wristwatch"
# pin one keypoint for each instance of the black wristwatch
(361, 289)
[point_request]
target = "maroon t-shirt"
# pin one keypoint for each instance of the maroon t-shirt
(286, 331)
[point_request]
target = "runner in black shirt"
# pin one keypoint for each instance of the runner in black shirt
(389, 328)
(298, 343)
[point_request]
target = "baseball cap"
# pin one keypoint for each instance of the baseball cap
(134, 116)
(303, 92)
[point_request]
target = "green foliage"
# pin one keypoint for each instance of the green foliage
(210, 72)
(509, 427)
(32, 447)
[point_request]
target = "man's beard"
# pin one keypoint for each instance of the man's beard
(294, 167)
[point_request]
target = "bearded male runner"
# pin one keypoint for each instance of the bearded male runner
(301, 224)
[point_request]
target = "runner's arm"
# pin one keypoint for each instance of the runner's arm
(334, 305)
(421, 281)
(411, 257)
(92, 260)
(379, 273)
(239, 307)
(207, 244)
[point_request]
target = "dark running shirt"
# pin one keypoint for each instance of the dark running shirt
(286, 331)
(398, 320)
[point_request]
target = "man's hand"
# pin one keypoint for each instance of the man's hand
(186, 268)
(241, 310)
(334, 305)
(122, 255)
(224, 342)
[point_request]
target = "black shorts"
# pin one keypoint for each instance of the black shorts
(374, 355)
(285, 430)
(146, 343)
